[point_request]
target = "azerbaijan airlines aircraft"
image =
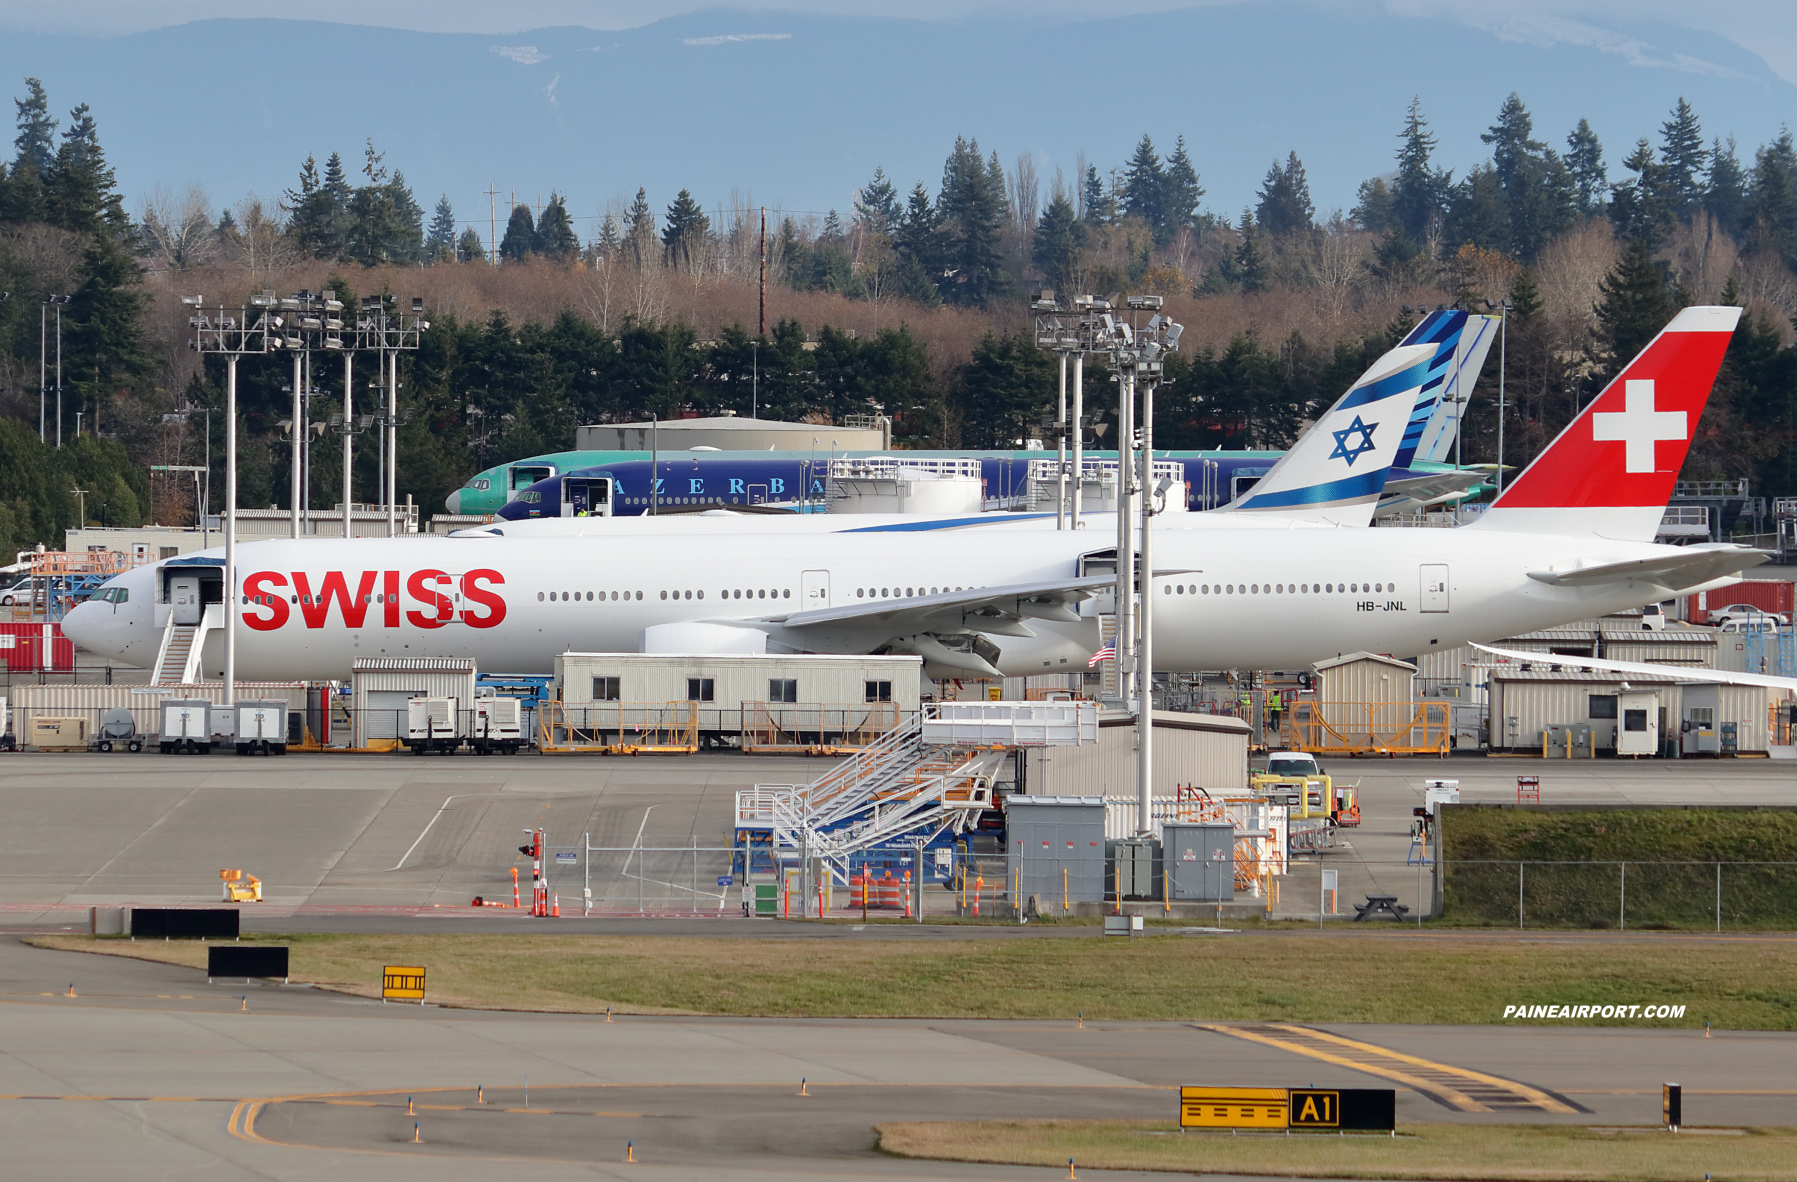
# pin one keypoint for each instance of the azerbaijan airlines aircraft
(1570, 538)
(540, 487)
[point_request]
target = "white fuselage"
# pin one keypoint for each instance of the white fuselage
(1222, 599)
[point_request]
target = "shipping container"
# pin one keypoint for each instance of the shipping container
(1772, 595)
(36, 648)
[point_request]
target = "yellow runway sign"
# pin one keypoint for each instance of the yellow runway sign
(402, 983)
(1232, 1108)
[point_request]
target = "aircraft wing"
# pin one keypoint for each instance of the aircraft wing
(1685, 567)
(996, 610)
(1430, 486)
(1643, 669)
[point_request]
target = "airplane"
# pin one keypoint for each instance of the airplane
(534, 487)
(1570, 538)
(1334, 475)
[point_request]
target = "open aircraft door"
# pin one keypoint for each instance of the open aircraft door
(586, 496)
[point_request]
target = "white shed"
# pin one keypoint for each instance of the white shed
(382, 686)
(1208, 751)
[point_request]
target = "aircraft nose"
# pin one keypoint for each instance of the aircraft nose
(453, 502)
(82, 624)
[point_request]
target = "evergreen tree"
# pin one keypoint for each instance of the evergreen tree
(1536, 190)
(439, 241)
(1634, 304)
(1644, 207)
(972, 210)
(469, 248)
(639, 227)
(610, 240)
(1772, 197)
(686, 230)
(1060, 240)
(381, 221)
(520, 234)
(1144, 185)
(36, 141)
(103, 325)
(1725, 192)
(79, 190)
(917, 237)
(22, 194)
(1285, 206)
(1180, 190)
(1004, 390)
(1420, 190)
(832, 229)
(1478, 212)
(1372, 207)
(1685, 158)
(1250, 261)
(1100, 205)
(877, 206)
(1585, 161)
(555, 238)
(311, 213)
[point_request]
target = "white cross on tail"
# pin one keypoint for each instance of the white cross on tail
(1639, 426)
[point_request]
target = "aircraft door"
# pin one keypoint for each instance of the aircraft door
(574, 497)
(758, 494)
(814, 589)
(184, 598)
(1435, 587)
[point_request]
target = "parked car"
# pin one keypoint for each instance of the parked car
(1746, 611)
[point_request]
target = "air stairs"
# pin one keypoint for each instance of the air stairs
(178, 658)
(932, 775)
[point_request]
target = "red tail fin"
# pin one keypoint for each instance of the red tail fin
(1611, 472)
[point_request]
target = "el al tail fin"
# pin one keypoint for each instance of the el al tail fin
(1611, 472)
(1337, 470)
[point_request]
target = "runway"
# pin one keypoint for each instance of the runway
(150, 1072)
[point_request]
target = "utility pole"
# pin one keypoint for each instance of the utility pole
(762, 330)
(492, 226)
(349, 427)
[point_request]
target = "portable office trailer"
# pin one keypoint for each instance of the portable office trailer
(1058, 846)
(1208, 751)
(1525, 702)
(763, 700)
(381, 687)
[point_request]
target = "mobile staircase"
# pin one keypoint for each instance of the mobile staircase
(932, 775)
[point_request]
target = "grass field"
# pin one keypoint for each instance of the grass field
(1540, 1153)
(1741, 983)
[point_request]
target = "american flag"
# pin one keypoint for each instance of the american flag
(1107, 653)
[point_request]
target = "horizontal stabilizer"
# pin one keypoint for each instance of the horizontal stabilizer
(1683, 567)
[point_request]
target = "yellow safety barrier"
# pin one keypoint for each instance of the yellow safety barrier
(1369, 728)
(619, 728)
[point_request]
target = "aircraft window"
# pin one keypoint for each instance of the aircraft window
(1378, 586)
(482, 485)
(762, 594)
(1204, 588)
(589, 597)
(701, 594)
(861, 593)
(689, 594)
(293, 599)
(1354, 588)
(639, 594)
(664, 594)
(1254, 589)
(539, 597)
(787, 594)
(882, 592)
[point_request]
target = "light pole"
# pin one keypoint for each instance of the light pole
(59, 301)
(43, 352)
(1136, 353)
(1065, 343)
(386, 333)
(232, 337)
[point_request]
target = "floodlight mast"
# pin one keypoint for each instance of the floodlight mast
(232, 338)
(387, 333)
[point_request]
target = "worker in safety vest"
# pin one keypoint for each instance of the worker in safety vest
(1244, 706)
(1275, 704)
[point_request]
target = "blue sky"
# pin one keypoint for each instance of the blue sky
(795, 105)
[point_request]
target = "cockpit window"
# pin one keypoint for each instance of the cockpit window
(480, 485)
(530, 496)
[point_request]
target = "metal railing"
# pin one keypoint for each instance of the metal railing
(1362, 728)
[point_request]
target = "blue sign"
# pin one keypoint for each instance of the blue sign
(567, 859)
(725, 880)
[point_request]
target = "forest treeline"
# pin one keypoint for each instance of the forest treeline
(913, 302)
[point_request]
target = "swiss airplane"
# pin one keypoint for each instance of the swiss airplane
(1570, 538)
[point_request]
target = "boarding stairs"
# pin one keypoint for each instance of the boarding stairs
(178, 658)
(932, 775)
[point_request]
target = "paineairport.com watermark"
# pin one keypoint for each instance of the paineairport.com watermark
(1578, 1013)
